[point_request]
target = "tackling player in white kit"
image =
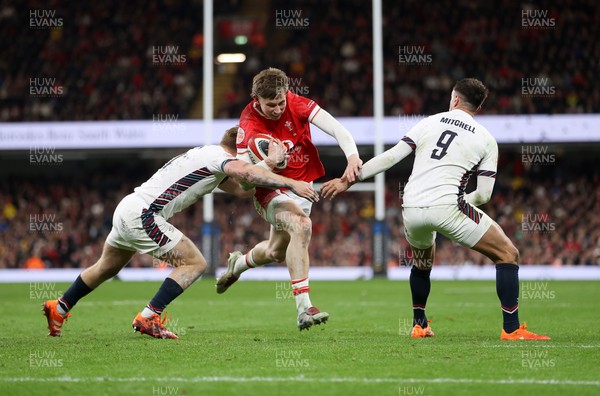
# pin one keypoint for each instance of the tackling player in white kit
(449, 147)
(140, 225)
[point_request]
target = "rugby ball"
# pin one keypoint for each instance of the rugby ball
(258, 149)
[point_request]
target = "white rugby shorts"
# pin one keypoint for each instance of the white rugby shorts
(266, 203)
(138, 229)
(466, 226)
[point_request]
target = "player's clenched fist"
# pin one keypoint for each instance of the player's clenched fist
(277, 152)
(334, 187)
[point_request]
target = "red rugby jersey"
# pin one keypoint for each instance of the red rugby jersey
(293, 129)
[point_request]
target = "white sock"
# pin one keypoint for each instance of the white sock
(147, 312)
(244, 263)
(61, 310)
(300, 289)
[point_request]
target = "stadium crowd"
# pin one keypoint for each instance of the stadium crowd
(331, 62)
(100, 63)
(64, 223)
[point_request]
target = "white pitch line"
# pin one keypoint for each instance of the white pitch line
(305, 379)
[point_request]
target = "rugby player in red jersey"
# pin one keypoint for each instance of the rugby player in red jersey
(276, 111)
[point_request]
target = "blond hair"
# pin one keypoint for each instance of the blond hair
(270, 83)
(229, 138)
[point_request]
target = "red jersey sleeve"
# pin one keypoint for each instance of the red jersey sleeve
(304, 108)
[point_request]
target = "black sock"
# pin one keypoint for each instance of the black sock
(507, 287)
(76, 292)
(168, 291)
(420, 285)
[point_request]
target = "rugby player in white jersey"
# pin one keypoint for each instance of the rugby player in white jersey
(140, 224)
(449, 147)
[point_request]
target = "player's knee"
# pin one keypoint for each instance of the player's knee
(511, 255)
(306, 225)
(516, 257)
(106, 271)
(200, 266)
(303, 226)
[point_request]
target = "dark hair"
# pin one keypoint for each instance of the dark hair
(269, 83)
(473, 91)
(229, 138)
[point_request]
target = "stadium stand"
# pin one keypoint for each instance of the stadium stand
(109, 73)
(102, 59)
(336, 72)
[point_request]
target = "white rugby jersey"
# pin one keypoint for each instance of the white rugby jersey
(449, 147)
(183, 180)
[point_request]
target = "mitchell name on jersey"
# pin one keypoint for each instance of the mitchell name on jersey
(449, 148)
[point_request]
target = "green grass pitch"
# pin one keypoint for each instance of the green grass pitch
(245, 342)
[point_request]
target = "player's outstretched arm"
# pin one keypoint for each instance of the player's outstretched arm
(385, 160)
(375, 165)
(328, 124)
(256, 175)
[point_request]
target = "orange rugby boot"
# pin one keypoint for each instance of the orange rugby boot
(55, 319)
(522, 334)
(153, 326)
